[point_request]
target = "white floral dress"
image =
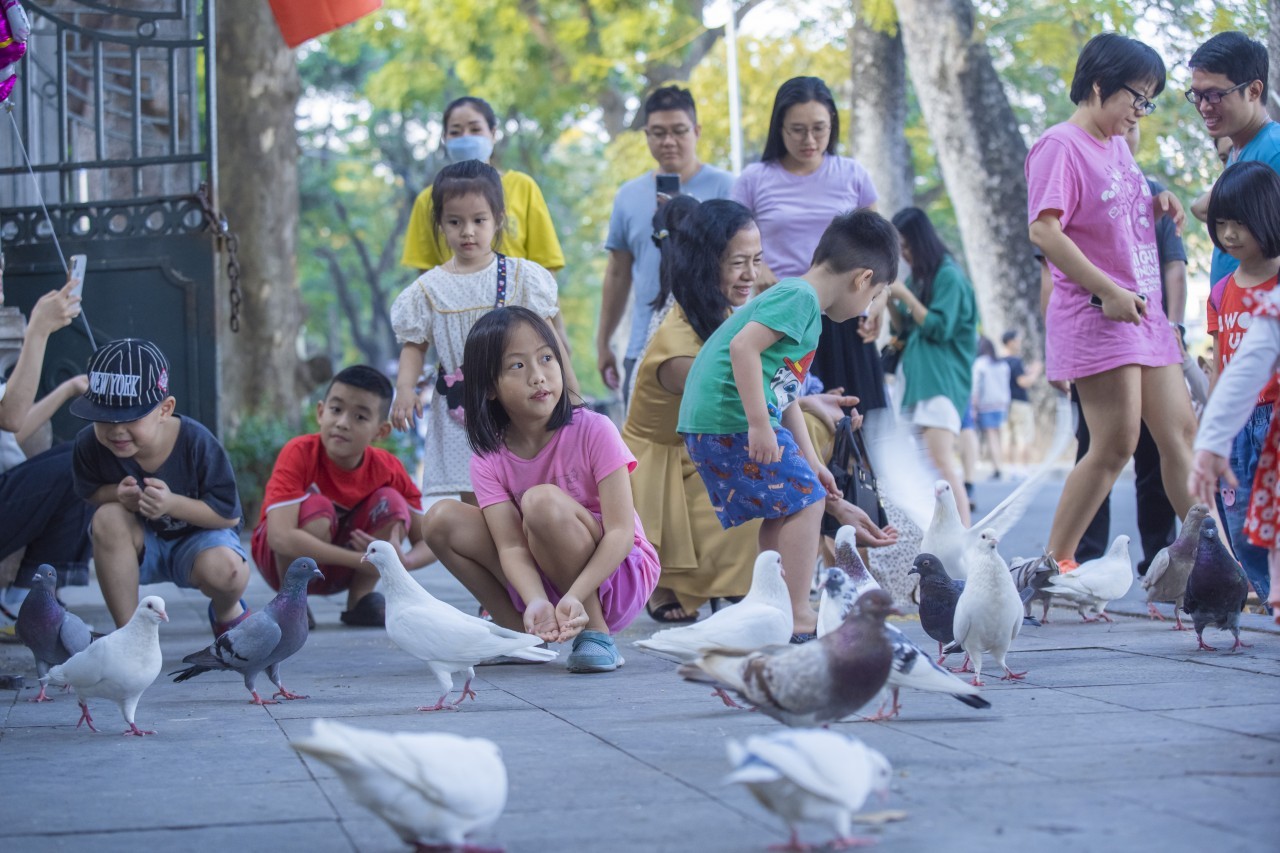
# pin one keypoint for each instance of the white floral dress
(440, 308)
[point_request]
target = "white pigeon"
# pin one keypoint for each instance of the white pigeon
(810, 776)
(1096, 583)
(446, 638)
(989, 610)
(911, 666)
(431, 789)
(904, 470)
(119, 667)
(762, 618)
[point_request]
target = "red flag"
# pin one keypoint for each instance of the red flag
(300, 20)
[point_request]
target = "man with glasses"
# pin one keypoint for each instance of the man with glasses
(1229, 89)
(672, 129)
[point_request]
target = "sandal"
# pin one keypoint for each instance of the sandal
(662, 614)
(369, 612)
(799, 639)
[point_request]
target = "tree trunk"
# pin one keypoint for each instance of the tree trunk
(879, 110)
(258, 89)
(1273, 54)
(981, 154)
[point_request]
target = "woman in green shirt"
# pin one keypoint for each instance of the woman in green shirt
(936, 314)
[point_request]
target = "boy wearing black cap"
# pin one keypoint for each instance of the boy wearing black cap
(168, 509)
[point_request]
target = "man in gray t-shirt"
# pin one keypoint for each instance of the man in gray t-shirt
(671, 126)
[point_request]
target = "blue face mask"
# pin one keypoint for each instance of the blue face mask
(462, 148)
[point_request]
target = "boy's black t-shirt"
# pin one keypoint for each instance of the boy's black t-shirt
(197, 467)
(1016, 369)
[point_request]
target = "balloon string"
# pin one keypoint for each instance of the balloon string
(53, 231)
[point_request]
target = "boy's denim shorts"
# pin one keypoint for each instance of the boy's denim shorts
(741, 490)
(171, 560)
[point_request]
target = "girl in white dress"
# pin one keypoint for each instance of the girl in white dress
(442, 305)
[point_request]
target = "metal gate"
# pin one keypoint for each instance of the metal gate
(115, 107)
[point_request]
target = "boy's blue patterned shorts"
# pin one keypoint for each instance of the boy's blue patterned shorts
(741, 490)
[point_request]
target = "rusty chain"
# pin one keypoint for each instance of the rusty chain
(228, 240)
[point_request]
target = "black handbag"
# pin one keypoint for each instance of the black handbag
(890, 355)
(850, 465)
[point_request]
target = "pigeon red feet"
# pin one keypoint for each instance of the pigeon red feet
(439, 706)
(85, 718)
(285, 694)
(1241, 645)
(1204, 647)
(258, 700)
(41, 696)
(967, 666)
(1105, 618)
(792, 846)
(419, 847)
(1010, 675)
(850, 842)
(976, 682)
(466, 691)
(134, 730)
(1155, 614)
(1178, 626)
(727, 699)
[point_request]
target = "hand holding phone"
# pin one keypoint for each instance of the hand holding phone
(668, 185)
(75, 271)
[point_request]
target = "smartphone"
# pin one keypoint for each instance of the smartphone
(669, 185)
(1096, 300)
(78, 264)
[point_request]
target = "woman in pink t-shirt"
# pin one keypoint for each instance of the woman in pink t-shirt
(1093, 217)
(555, 547)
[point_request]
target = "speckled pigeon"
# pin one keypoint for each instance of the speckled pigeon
(1216, 588)
(1032, 577)
(1166, 577)
(120, 666)
(263, 640)
(52, 632)
(938, 597)
(814, 683)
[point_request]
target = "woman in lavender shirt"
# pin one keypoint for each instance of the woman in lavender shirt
(1092, 215)
(794, 192)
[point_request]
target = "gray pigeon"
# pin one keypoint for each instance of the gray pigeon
(52, 632)
(1032, 577)
(989, 612)
(1216, 588)
(938, 597)
(814, 683)
(263, 640)
(120, 666)
(1166, 577)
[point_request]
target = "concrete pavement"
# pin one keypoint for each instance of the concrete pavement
(1122, 737)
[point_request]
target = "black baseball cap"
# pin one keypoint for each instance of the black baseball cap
(128, 378)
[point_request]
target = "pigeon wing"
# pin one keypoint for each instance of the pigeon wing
(73, 634)
(823, 766)
(915, 669)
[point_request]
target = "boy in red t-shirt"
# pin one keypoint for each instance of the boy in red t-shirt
(330, 494)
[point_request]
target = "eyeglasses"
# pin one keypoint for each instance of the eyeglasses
(1141, 102)
(799, 132)
(660, 134)
(1213, 96)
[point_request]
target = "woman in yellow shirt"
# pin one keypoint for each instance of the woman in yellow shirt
(470, 126)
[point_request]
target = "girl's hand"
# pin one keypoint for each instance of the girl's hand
(828, 481)
(1206, 468)
(762, 445)
(404, 409)
(55, 309)
(1167, 204)
(540, 620)
(572, 617)
(829, 406)
(1123, 306)
(869, 534)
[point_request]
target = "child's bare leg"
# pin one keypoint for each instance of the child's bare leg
(795, 538)
(221, 575)
(941, 446)
(562, 536)
(994, 449)
(117, 542)
(1166, 410)
(460, 539)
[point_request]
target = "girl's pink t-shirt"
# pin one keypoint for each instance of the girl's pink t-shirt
(1106, 210)
(581, 454)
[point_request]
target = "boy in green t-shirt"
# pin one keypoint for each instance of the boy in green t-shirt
(745, 438)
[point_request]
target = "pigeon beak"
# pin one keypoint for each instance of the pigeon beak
(164, 617)
(895, 611)
(317, 574)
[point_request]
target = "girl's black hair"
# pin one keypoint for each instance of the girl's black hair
(798, 90)
(480, 105)
(927, 249)
(671, 225)
(1249, 193)
(1112, 61)
(696, 285)
(985, 347)
(467, 178)
(482, 363)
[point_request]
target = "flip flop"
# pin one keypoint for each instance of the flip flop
(661, 614)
